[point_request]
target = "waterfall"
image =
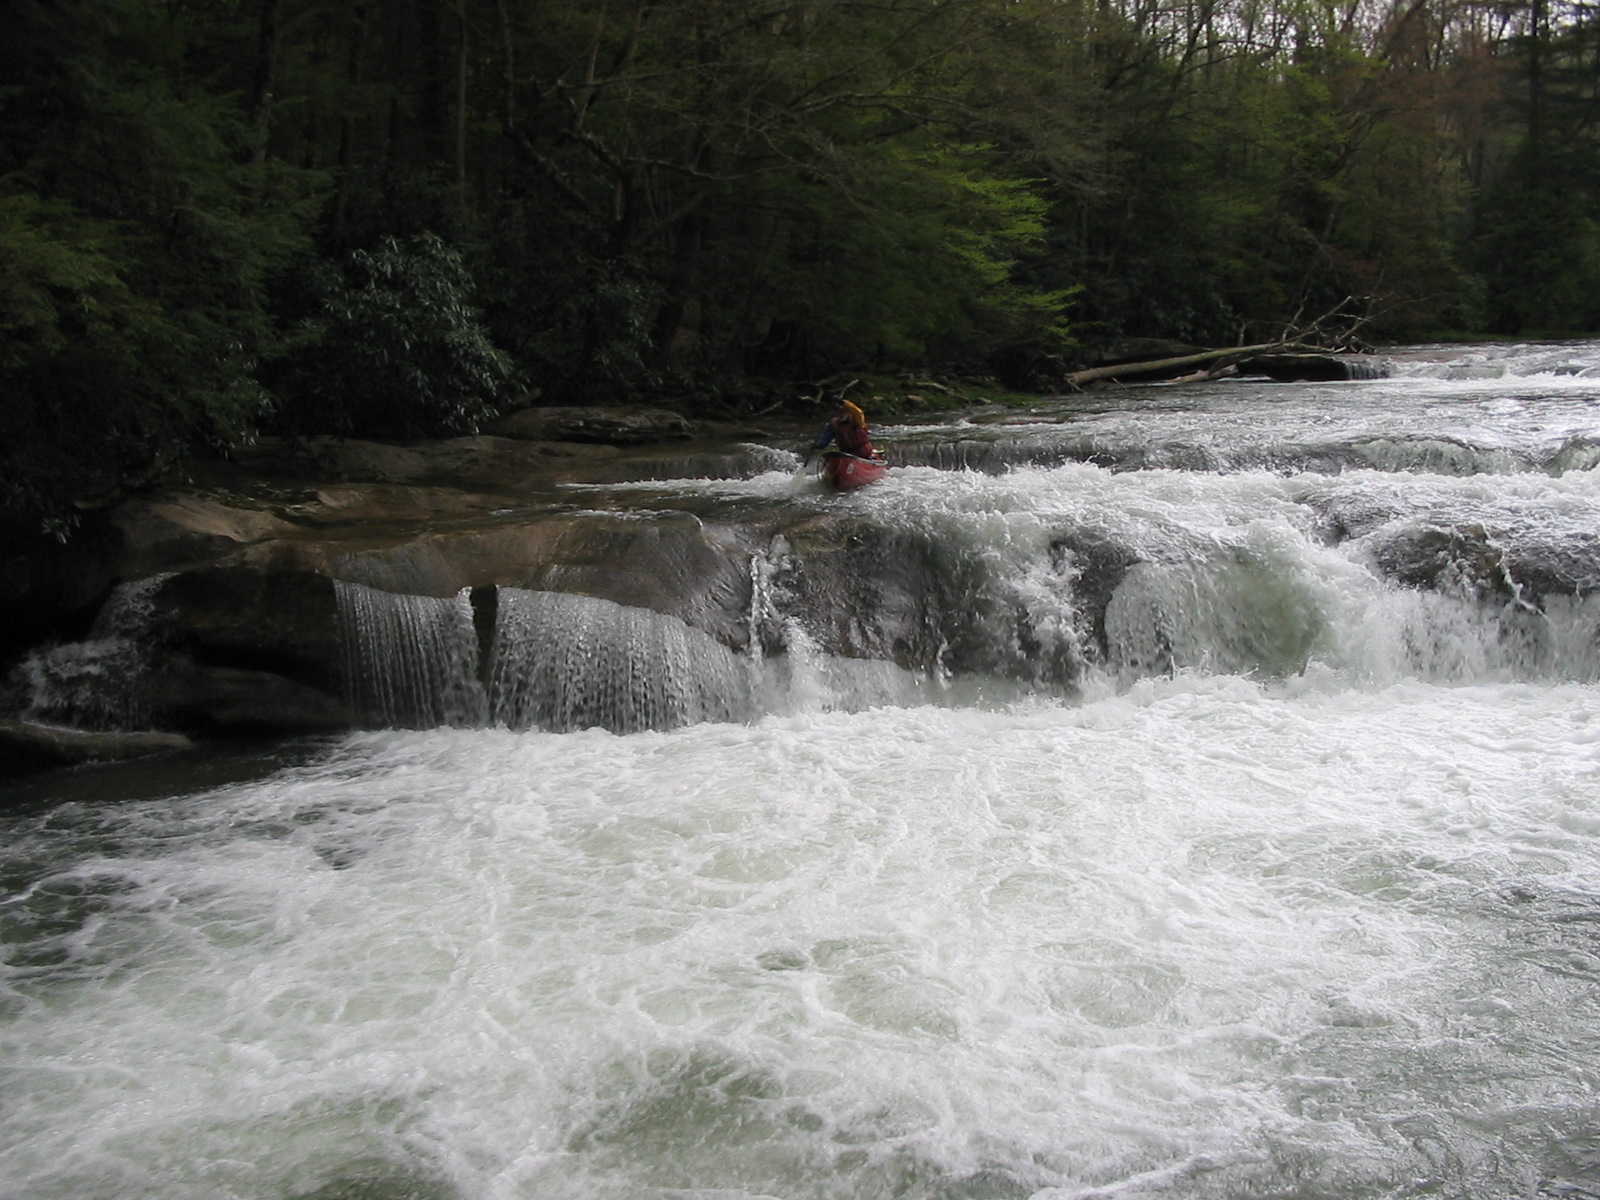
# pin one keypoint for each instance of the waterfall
(410, 661)
(563, 662)
(97, 683)
(555, 661)
(559, 662)
(983, 608)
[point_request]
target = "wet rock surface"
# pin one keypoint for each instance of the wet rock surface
(34, 745)
(280, 622)
(1508, 564)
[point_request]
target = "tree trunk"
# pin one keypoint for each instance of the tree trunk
(461, 124)
(341, 208)
(1212, 358)
(687, 243)
(263, 80)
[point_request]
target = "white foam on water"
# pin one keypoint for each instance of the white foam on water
(1204, 938)
(1550, 361)
(1240, 574)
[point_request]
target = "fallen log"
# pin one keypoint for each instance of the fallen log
(1205, 358)
(1326, 335)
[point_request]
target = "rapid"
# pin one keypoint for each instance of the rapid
(1210, 810)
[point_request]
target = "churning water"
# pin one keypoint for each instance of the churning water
(1226, 825)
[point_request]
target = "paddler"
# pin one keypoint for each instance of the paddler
(848, 427)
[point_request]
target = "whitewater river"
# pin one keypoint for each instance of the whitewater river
(1261, 862)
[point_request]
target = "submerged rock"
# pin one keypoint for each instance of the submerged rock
(31, 745)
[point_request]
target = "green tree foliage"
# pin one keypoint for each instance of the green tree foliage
(395, 349)
(794, 186)
(203, 204)
(137, 242)
(1538, 235)
(914, 257)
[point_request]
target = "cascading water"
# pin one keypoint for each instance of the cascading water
(95, 683)
(562, 662)
(410, 661)
(1079, 828)
(573, 662)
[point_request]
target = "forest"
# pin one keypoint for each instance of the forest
(394, 218)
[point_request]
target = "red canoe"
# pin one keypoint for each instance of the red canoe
(846, 472)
